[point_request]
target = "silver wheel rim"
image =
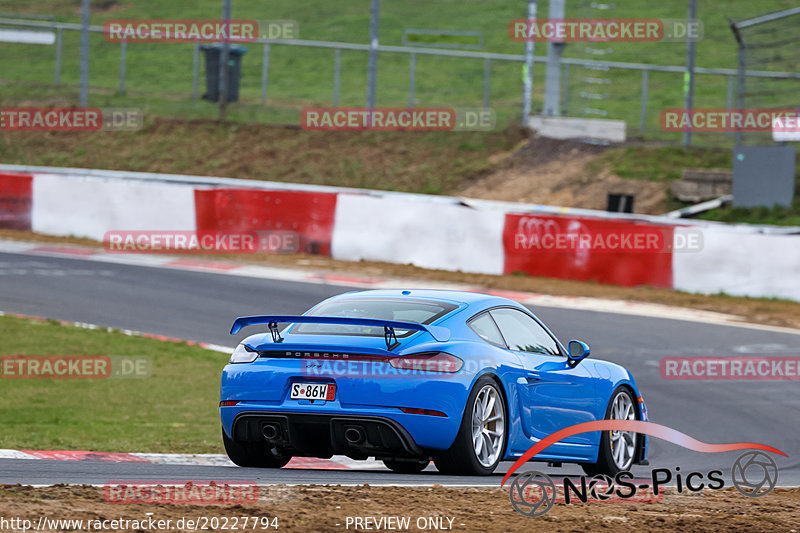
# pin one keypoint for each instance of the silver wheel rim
(623, 443)
(488, 426)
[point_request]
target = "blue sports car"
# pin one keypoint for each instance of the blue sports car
(409, 376)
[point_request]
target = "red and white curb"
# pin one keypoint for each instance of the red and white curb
(186, 459)
(229, 268)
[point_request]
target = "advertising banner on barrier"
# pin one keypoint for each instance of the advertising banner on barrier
(309, 215)
(15, 201)
(607, 251)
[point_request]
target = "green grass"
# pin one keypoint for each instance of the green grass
(173, 410)
(663, 163)
(666, 163)
(781, 216)
(159, 75)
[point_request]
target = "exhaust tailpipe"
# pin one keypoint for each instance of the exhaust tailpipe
(270, 431)
(354, 435)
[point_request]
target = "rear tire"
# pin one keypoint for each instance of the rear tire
(617, 448)
(481, 441)
(254, 455)
(402, 466)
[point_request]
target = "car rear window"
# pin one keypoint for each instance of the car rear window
(402, 310)
(486, 329)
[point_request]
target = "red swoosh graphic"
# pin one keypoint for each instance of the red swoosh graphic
(638, 426)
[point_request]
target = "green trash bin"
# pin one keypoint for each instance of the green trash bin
(213, 53)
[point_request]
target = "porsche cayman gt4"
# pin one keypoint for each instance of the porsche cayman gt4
(409, 376)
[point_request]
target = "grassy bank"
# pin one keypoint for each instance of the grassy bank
(435, 163)
(173, 410)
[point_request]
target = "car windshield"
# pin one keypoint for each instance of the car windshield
(418, 311)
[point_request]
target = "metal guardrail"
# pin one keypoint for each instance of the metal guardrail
(412, 52)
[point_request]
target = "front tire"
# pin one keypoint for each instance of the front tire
(255, 455)
(617, 448)
(481, 441)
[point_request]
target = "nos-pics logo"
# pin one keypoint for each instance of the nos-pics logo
(754, 473)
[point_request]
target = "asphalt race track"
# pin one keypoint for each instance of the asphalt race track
(202, 306)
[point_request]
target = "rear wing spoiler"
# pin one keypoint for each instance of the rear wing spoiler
(439, 333)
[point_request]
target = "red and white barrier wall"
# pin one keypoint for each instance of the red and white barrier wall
(90, 207)
(624, 267)
(427, 231)
(739, 261)
(309, 214)
(16, 197)
(413, 229)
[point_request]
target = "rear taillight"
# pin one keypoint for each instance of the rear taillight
(428, 362)
(228, 403)
(415, 411)
(243, 354)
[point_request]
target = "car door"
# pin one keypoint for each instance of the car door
(552, 395)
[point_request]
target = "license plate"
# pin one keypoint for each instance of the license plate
(312, 391)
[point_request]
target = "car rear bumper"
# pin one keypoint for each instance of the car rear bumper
(324, 435)
(388, 431)
(264, 388)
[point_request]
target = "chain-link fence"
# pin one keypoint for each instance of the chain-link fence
(281, 77)
(768, 42)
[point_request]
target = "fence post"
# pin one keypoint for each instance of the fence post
(83, 98)
(527, 78)
(643, 109)
(730, 99)
(265, 74)
(413, 78)
(742, 63)
(372, 59)
(565, 97)
(123, 52)
(337, 73)
(59, 41)
(552, 72)
(689, 86)
(487, 77)
(223, 63)
(195, 69)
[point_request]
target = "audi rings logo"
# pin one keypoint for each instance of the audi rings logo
(532, 493)
(754, 474)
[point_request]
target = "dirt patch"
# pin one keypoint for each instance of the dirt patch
(556, 172)
(755, 310)
(325, 509)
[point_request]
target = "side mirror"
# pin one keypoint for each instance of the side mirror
(578, 351)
